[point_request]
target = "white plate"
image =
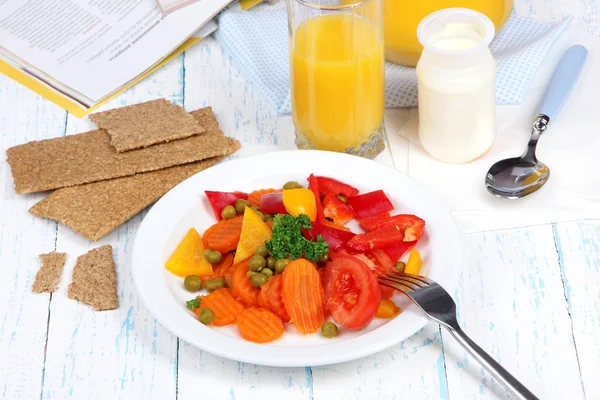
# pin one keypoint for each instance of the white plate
(185, 206)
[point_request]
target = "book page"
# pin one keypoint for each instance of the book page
(95, 46)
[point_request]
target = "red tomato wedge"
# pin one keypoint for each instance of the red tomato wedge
(370, 204)
(395, 252)
(336, 187)
(351, 290)
(336, 210)
(411, 225)
(378, 261)
(386, 236)
(219, 200)
(272, 203)
(335, 238)
(313, 185)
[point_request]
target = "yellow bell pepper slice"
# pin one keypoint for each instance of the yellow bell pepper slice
(254, 233)
(387, 309)
(188, 257)
(414, 263)
(300, 201)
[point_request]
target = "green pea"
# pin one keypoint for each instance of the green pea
(250, 274)
(267, 272)
(262, 251)
(240, 205)
(206, 316)
(213, 256)
(258, 280)
(228, 212)
(260, 215)
(192, 283)
(400, 265)
(342, 197)
(281, 264)
(214, 284)
(329, 330)
(269, 219)
(323, 259)
(256, 263)
(271, 263)
(292, 185)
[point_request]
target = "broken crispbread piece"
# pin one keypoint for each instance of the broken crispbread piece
(96, 209)
(145, 124)
(94, 279)
(89, 157)
(47, 278)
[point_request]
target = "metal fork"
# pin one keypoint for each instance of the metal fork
(437, 304)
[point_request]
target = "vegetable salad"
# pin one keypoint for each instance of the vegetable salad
(284, 255)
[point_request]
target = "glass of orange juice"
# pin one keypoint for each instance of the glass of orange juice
(337, 75)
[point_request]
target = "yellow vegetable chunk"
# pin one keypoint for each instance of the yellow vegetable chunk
(188, 257)
(387, 309)
(300, 201)
(254, 233)
(414, 263)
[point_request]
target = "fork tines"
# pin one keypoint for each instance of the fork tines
(404, 282)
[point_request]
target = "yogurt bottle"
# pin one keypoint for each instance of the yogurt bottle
(456, 82)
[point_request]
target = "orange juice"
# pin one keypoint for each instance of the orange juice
(337, 82)
(401, 18)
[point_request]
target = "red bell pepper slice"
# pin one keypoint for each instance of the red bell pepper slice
(337, 210)
(272, 203)
(336, 187)
(395, 252)
(219, 200)
(386, 236)
(411, 225)
(333, 225)
(313, 185)
(370, 204)
(335, 238)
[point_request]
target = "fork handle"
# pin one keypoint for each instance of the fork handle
(492, 366)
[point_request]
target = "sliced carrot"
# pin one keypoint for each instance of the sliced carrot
(210, 231)
(224, 304)
(259, 325)
(242, 287)
(221, 268)
(254, 197)
(270, 297)
(225, 236)
(302, 295)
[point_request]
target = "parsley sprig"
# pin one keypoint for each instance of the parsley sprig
(287, 240)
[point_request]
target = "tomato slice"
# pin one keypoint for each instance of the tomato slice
(337, 210)
(219, 200)
(378, 261)
(336, 187)
(369, 204)
(351, 290)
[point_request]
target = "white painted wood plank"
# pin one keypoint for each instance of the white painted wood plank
(23, 315)
(124, 353)
(510, 302)
(578, 245)
(414, 369)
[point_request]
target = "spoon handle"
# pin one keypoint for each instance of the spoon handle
(563, 80)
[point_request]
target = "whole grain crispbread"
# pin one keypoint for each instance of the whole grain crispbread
(89, 157)
(47, 278)
(94, 279)
(145, 124)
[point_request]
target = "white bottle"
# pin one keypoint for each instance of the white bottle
(456, 81)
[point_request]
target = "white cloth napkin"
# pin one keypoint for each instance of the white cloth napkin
(570, 148)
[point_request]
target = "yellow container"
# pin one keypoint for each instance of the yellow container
(401, 18)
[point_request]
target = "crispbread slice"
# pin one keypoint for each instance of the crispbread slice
(144, 124)
(47, 278)
(96, 209)
(94, 279)
(89, 157)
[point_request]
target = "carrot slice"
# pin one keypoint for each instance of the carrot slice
(259, 325)
(254, 197)
(209, 232)
(302, 295)
(242, 287)
(270, 297)
(225, 236)
(221, 268)
(224, 304)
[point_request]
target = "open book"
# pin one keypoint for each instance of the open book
(79, 53)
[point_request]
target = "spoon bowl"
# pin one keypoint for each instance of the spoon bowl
(517, 177)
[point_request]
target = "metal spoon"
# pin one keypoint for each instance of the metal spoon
(517, 177)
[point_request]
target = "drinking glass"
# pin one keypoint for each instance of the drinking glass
(337, 75)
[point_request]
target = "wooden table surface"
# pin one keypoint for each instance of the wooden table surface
(531, 296)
